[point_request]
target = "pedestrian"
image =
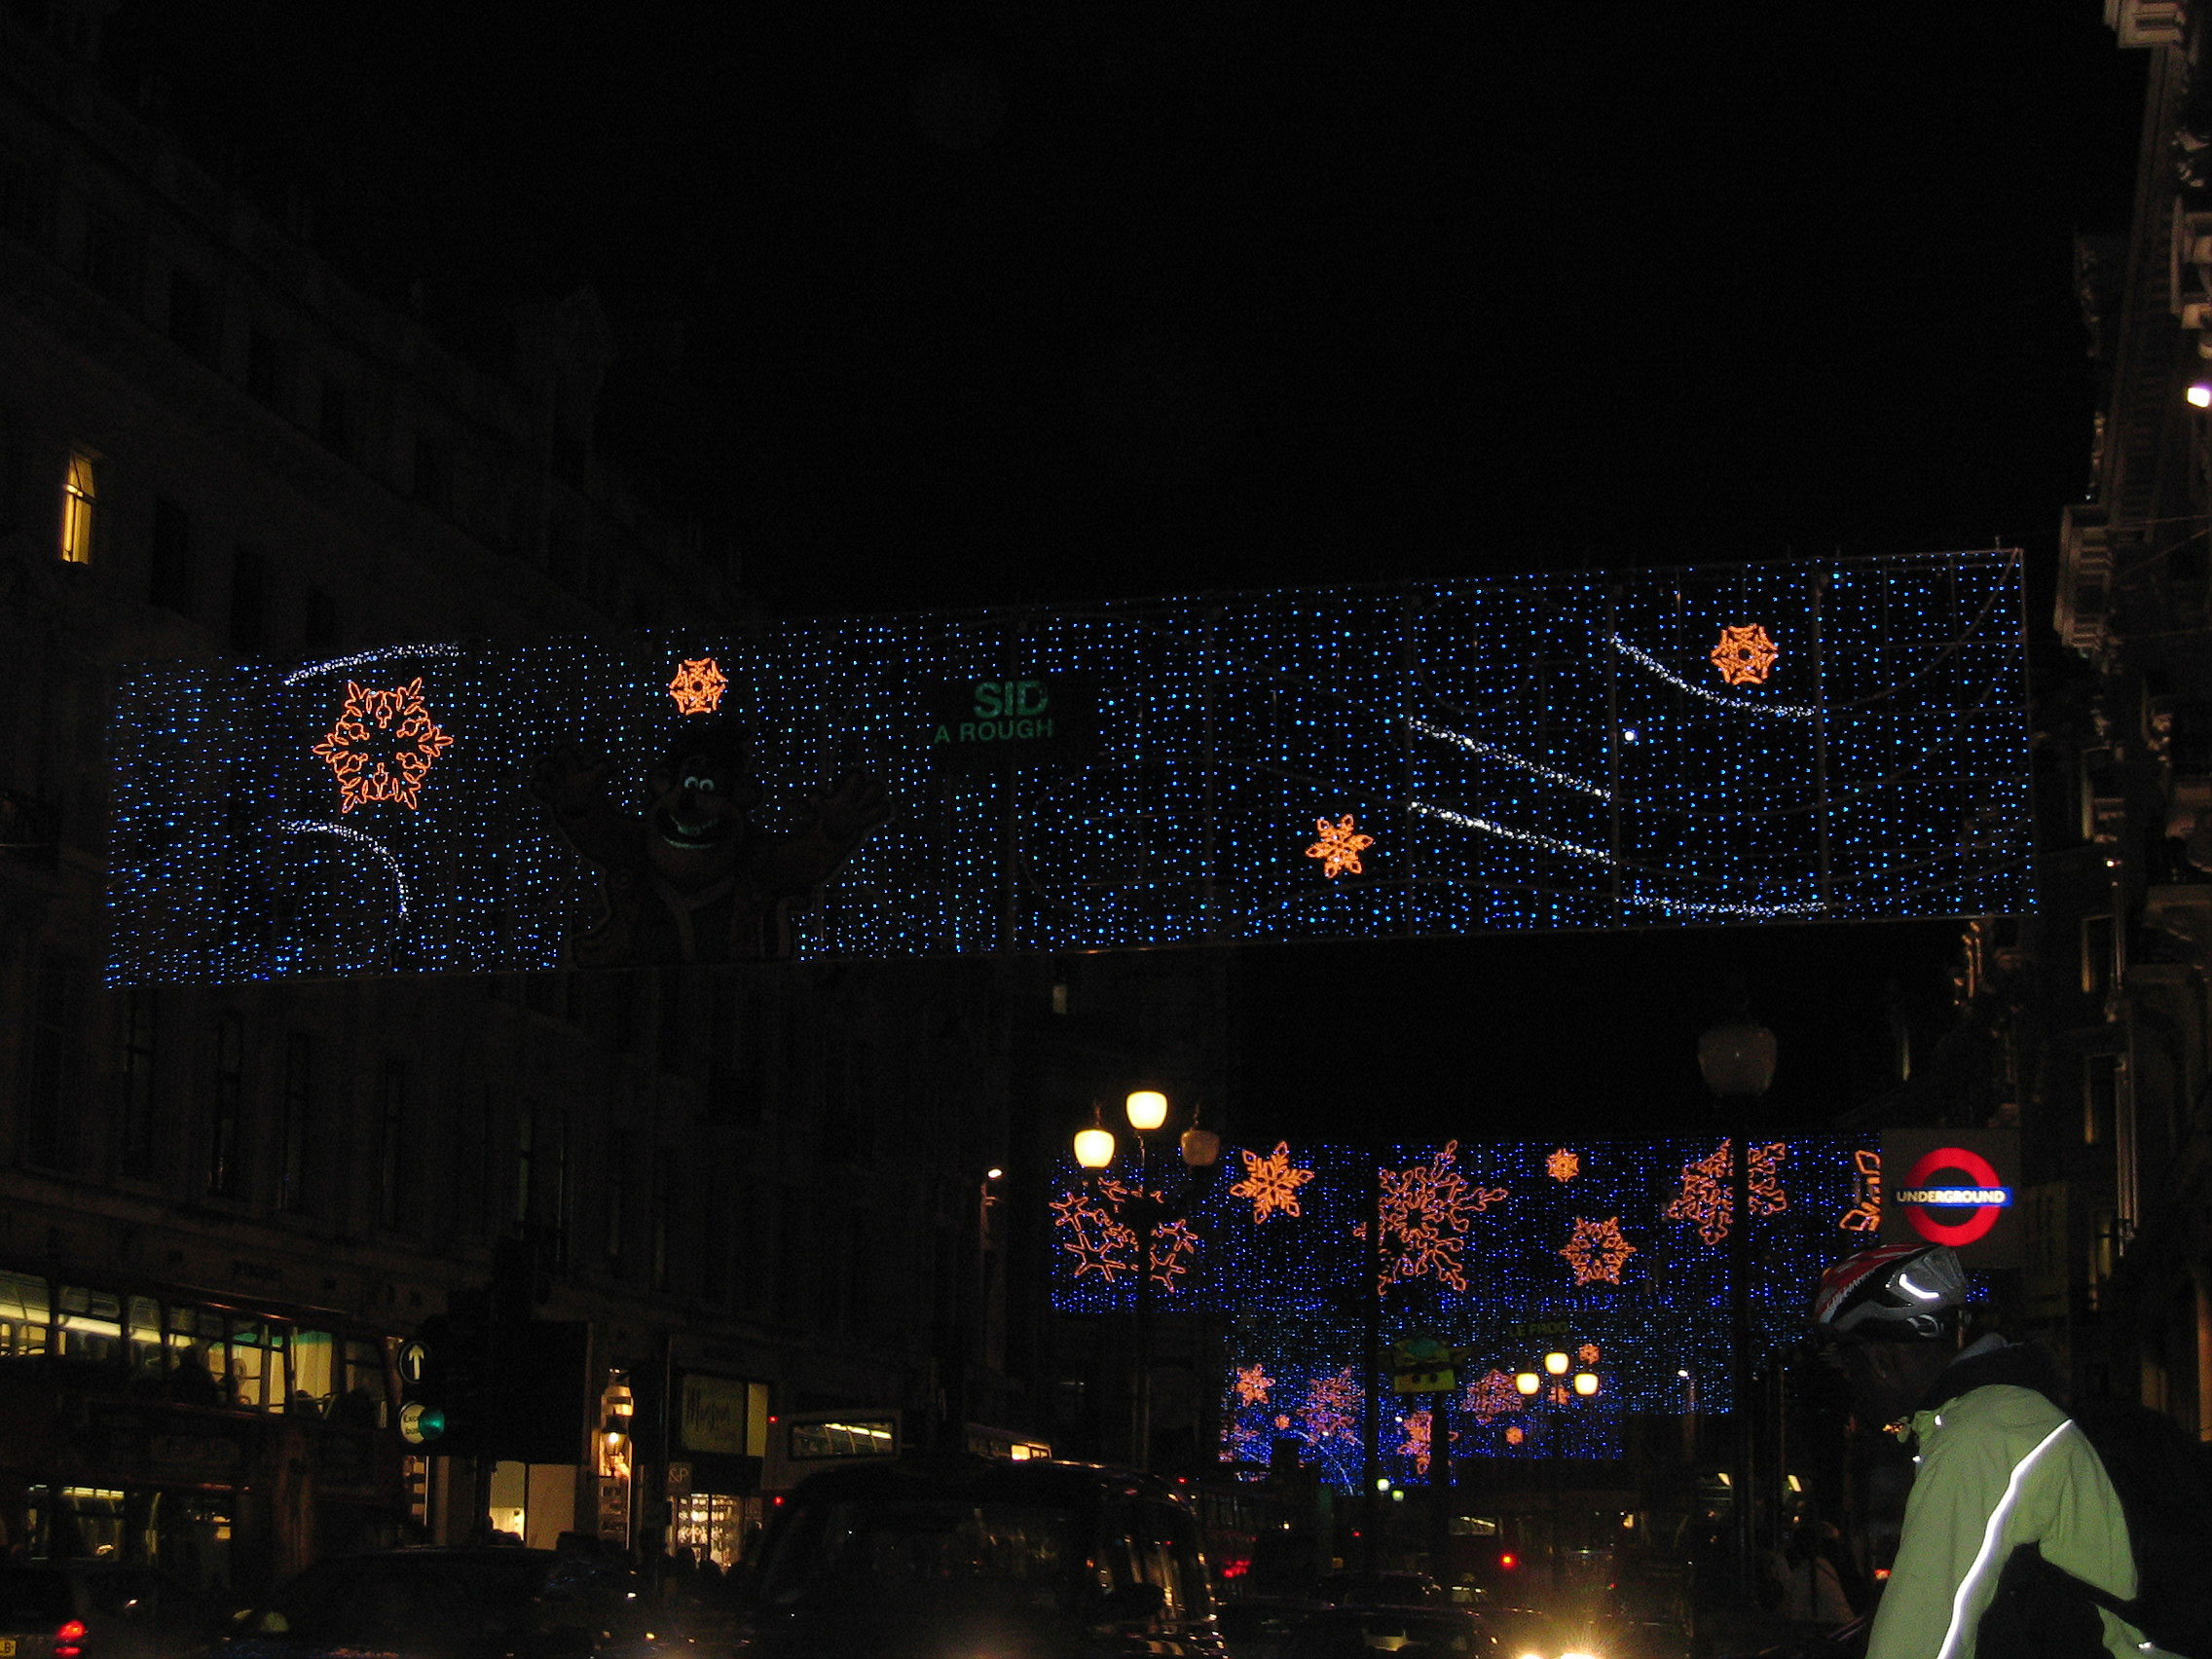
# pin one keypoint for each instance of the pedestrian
(1999, 1467)
(1813, 1591)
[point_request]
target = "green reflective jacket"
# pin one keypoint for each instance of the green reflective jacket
(2000, 1466)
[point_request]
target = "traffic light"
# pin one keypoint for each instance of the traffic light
(444, 1405)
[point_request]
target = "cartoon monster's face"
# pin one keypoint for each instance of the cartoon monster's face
(695, 822)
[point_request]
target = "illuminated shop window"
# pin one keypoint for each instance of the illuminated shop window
(79, 491)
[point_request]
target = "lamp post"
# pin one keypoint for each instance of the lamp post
(1557, 1388)
(1147, 1112)
(1737, 1060)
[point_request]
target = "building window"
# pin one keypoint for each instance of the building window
(111, 258)
(617, 1200)
(135, 1084)
(392, 1140)
(2096, 955)
(664, 1192)
(299, 1111)
(80, 490)
(249, 597)
(169, 562)
(2100, 1098)
(227, 1105)
(49, 1098)
(553, 1222)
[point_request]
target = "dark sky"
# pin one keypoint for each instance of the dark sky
(1015, 301)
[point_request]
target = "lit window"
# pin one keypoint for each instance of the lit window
(77, 495)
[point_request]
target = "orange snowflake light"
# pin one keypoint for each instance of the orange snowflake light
(1271, 1183)
(381, 745)
(1865, 1216)
(1563, 1166)
(1745, 656)
(698, 687)
(1514, 1434)
(1425, 1212)
(1340, 846)
(1333, 1407)
(1492, 1396)
(1587, 1353)
(1706, 1200)
(1417, 1440)
(1252, 1385)
(1598, 1251)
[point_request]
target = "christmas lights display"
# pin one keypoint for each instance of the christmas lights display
(1271, 1183)
(1624, 1268)
(1559, 750)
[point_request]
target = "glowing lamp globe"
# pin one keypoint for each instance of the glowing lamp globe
(1556, 1364)
(1202, 1148)
(1737, 1059)
(1527, 1383)
(1147, 1109)
(2200, 393)
(1585, 1383)
(1094, 1148)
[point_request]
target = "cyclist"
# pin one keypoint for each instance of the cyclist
(2000, 1470)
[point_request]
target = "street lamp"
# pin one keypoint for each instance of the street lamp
(1737, 1060)
(1147, 1112)
(1583, 1385)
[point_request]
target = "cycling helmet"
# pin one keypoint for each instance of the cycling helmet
(1902, 1293)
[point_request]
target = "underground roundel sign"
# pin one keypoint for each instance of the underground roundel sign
(1952, 1195)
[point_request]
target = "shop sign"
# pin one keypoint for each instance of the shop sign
(989, 722)
(1952, 1187)
(713, 1414)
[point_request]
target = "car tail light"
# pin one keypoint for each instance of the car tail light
(68, 1641)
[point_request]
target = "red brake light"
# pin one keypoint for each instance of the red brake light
(66, 1639)
(1509, 1561)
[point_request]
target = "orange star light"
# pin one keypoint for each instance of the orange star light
(1340, 846)
(1563, 1166)
(1745, 654)
(381, 745)
(698, 687)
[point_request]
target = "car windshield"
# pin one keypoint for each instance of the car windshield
(1014, 1552)
(34, 1599)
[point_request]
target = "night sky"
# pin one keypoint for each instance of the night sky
(959, 304)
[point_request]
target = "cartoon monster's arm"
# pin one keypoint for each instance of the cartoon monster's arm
(573, 786)
(843, 814)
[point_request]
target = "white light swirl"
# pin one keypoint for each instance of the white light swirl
(1688, 907)
(1476, 746)
(310, 670)
(1527, 837)
(316, 827)
(1743, 705)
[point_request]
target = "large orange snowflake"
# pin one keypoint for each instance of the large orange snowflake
(1340, 846)
(698, 687)
(1416, 1442)
(1596, 1251)
(1706, 1197)
(1271, 1183)
(1252, 1385)
(1425, 1212)
(1745, 656)
(1563, 1166)
(381, 745)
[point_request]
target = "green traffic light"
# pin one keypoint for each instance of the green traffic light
(420, 1423)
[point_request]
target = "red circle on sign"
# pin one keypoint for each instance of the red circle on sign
(1975, 1167)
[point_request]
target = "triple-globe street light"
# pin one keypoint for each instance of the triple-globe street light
(1557, 1388)
(1146, 1209)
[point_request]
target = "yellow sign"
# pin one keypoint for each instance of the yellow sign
(713, 1414)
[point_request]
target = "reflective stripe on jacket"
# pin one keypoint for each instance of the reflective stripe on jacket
(2000, 1466)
